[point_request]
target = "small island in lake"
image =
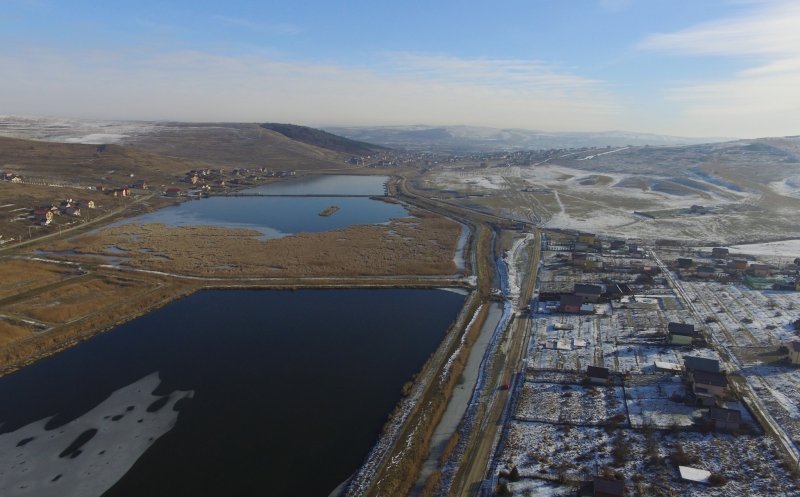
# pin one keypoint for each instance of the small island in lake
(330, 210)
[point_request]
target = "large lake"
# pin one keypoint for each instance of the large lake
(223, 393)
(279, 216)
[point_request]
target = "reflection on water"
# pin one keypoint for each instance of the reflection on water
(87, 455)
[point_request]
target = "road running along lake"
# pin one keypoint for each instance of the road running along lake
(220, 393)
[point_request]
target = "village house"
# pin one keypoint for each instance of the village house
(708, 387)
(587, 238)
(684, 262)
(140, 185)
(705, 272)
(89, 204)
(719, 252)
(617, 244)
(173, 192)
(16, 179)
(589, 293)
(570, 304)
(723, 419)
(118, 192)
(760, 270)
(598, 375)
(680, 333)
(579, 258)
(43, 215)
(692, 363)
(737, 265)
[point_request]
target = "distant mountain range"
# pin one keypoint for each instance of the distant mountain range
(463, 139)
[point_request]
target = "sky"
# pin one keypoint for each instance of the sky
(700, 68)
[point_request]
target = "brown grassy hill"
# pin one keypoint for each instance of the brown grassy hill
(235, 145)
(91, 165)
(323, 139)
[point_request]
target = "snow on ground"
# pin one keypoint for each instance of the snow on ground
(650, 402)
(785, 249)
(789, 187)
(512, 260)
(565, 403)
(544, 453)
(95, 138)
(487, 182)
(40, 462)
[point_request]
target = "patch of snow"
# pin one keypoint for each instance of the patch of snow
(40, 462)
(786, 248)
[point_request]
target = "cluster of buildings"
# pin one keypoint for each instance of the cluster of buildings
(44, 214)
(10, 176)
(216, 178)
(720, 265)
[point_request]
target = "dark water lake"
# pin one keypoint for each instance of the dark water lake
(276, 217)
(223, 393)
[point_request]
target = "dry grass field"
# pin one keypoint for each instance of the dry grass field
(12, 332)
(421, 245)
(18, 276)
(91, 164)
(76, 300)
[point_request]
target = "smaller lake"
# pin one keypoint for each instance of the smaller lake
(276, 217)
(337, 184)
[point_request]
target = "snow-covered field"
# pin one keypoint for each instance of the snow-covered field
(544, 453)
(788, 249)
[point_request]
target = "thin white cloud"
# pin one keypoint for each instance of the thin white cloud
(772, 30)
(201, 86)
(760, 100)
(284, 29)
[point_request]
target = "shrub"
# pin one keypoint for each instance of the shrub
(717, 480)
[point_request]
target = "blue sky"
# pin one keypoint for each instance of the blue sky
(693, 68)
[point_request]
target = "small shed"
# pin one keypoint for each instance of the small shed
(680, 333)
(724, 419)
(598, 375)
(794, 352)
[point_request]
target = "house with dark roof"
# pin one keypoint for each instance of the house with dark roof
(680, 333)
(720, 252)
(589, 293)
(570, 303)
(708, 387)
(692, 363)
